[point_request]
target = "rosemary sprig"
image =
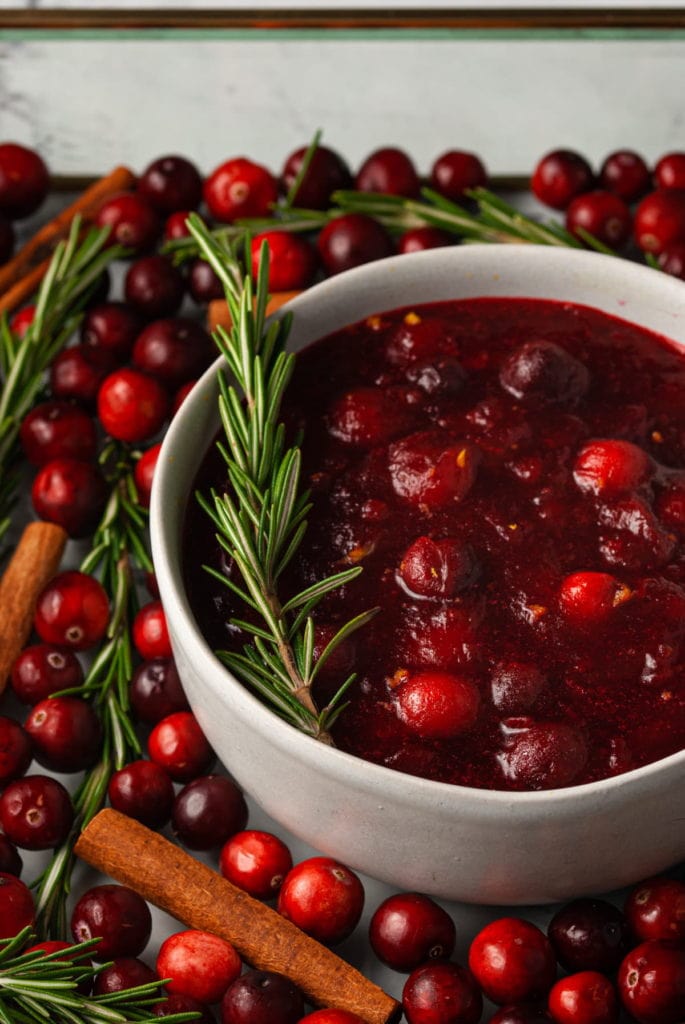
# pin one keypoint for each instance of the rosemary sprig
(261, 518)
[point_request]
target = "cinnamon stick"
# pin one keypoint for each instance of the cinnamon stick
(34, 562)
(20, 292)
(194, 894)
(219, 316)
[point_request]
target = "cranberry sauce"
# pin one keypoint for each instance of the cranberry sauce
(510, 473)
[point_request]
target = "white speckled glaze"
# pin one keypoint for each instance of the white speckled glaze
(450, 841)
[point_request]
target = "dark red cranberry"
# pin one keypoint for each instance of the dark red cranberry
(437, 705)
(181, 395)
(56, 946)
(70, 493)
(56, 430)
(660, 220)
(262, 997)
(131, 220)
(176, 226)
(323, 898)
(330, 1016)
(441, 993)
(143, 473)
(256, 862)
(240, 188)
(24, 180)
(585, 998)
(427, 470)
(183, 1004)
(43, 669)
(78, 372)
(441, 376)
(420, 239)
(203, 283)
(123, 973)
(670, 171)
(672, 260)
(589, 935)
(179, 746)
(198, 964)
(171, 183)
(36, 812)
(368, 416)
(541, 754)
(207, 811)
(541, 371)
(7, 239)
(16, 906)
(173, 350)
(351, 240)
(154, 286)
(527, 1013)
(72, 611)
(603, 215)
(561, 176)
(113, 326)
(292, 260)
(455, 172)
(515, 686)
(655, 909)
(66, 734)
(10, 861)
(327, 172)
(142, 790)
(15, 750)
(625, 174)
(156, 690)
(116, 915)
(408, 929)
(512, 961)
(22, 320)
(437, 568)
(388, 170)
(609, 468)
(150, 633)
(132, 406)
(651, 983)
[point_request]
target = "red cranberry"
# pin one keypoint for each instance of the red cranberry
(51, 947)
(368, 416)
(181, 395)
(7, 240)
(176, 226)
(512, 961)
(16, 906)
(515, 686)
(602, 214)
(561, 176)
(670, 171)
(625, 174)
(585, 998)
(116, 915)
(420, 239)
(256, 862)
(541, 755)
(70, 493)
(541, 371)
(524, 1014)
(651, 983)
(589, 935)
(150, 633)
(437, 705)
(418, 338)
(445, 638)
(443, 376)
(587, 598)
(78, 372)
(655, 909)
(21, 321)
(36, 812)
(10, 861)
(143, 473)
(203, 283)
(132, 406)
(124, 973)
(154, 286)
(132, 221)
(156, 690)
(609, 468)
(390, 171)
(207, 811)
(441, 993)
(112, 326)
(240, 188)
(327, 172)
(351, 240)
(437, 568)
(660, 220)
(198, 964)
(323, 898)
(15, 750)
(142, 790)
(672, 259)
(24, 180)
(171, 183)
(329, 1016)
(455, 172)
(66, 734)
(178, 745)
(262, 997)
(56, 430)
(72, 611)
(184, 1004)
(408, 928)
(173, 350)
(292, 260)
(43, 669)
(428, 471)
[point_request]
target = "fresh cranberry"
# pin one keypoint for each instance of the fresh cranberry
(352, 240)
(561, 176)
(420, 239)
(154, 286)
(457, 171)
(512, 961)
(78, 372)
(655, 909)
(7, 239)
(176, 226)
(541, 371)
(173, 350)
(390, 171)
(609, 468)
(171, 183)
(429, 471)
(589, 935)
(327, 172)
(408, 929)
(56, 430)
(660, 220)
(183, 1004)
(670, 171)
(203, 283)
(437, 568)
(651, 983)
(292, 260)
(43, 669)
(178, 745)
(541, 755)
(123, 973)
(256, 862)
(72, 611)
(207, 811)
(150, 632)
(528, 1013)
(116, 915)
(368, 416)
(602, 214)
(240, 188)
(16, 906)
(143, 473)
(515, 686)
(672, 259)
(329, 1016)
(132, 406)
(437, 705)
(15, 750)
(585, 998)
(131, 220)
(36, 812)
(198, 964)
(156, 690)
(586, 598)
(323, 898)
(10, 861)
(24, 180)
(112, 326)
(70, 493)
(54, 947)
(262, 997)
(22, 320)
(66, 734)
(441, 993)
(625, 174)
(142, 790)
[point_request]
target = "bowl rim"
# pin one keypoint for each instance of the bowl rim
(358, 772)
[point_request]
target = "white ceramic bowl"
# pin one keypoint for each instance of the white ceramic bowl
(450, 841)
